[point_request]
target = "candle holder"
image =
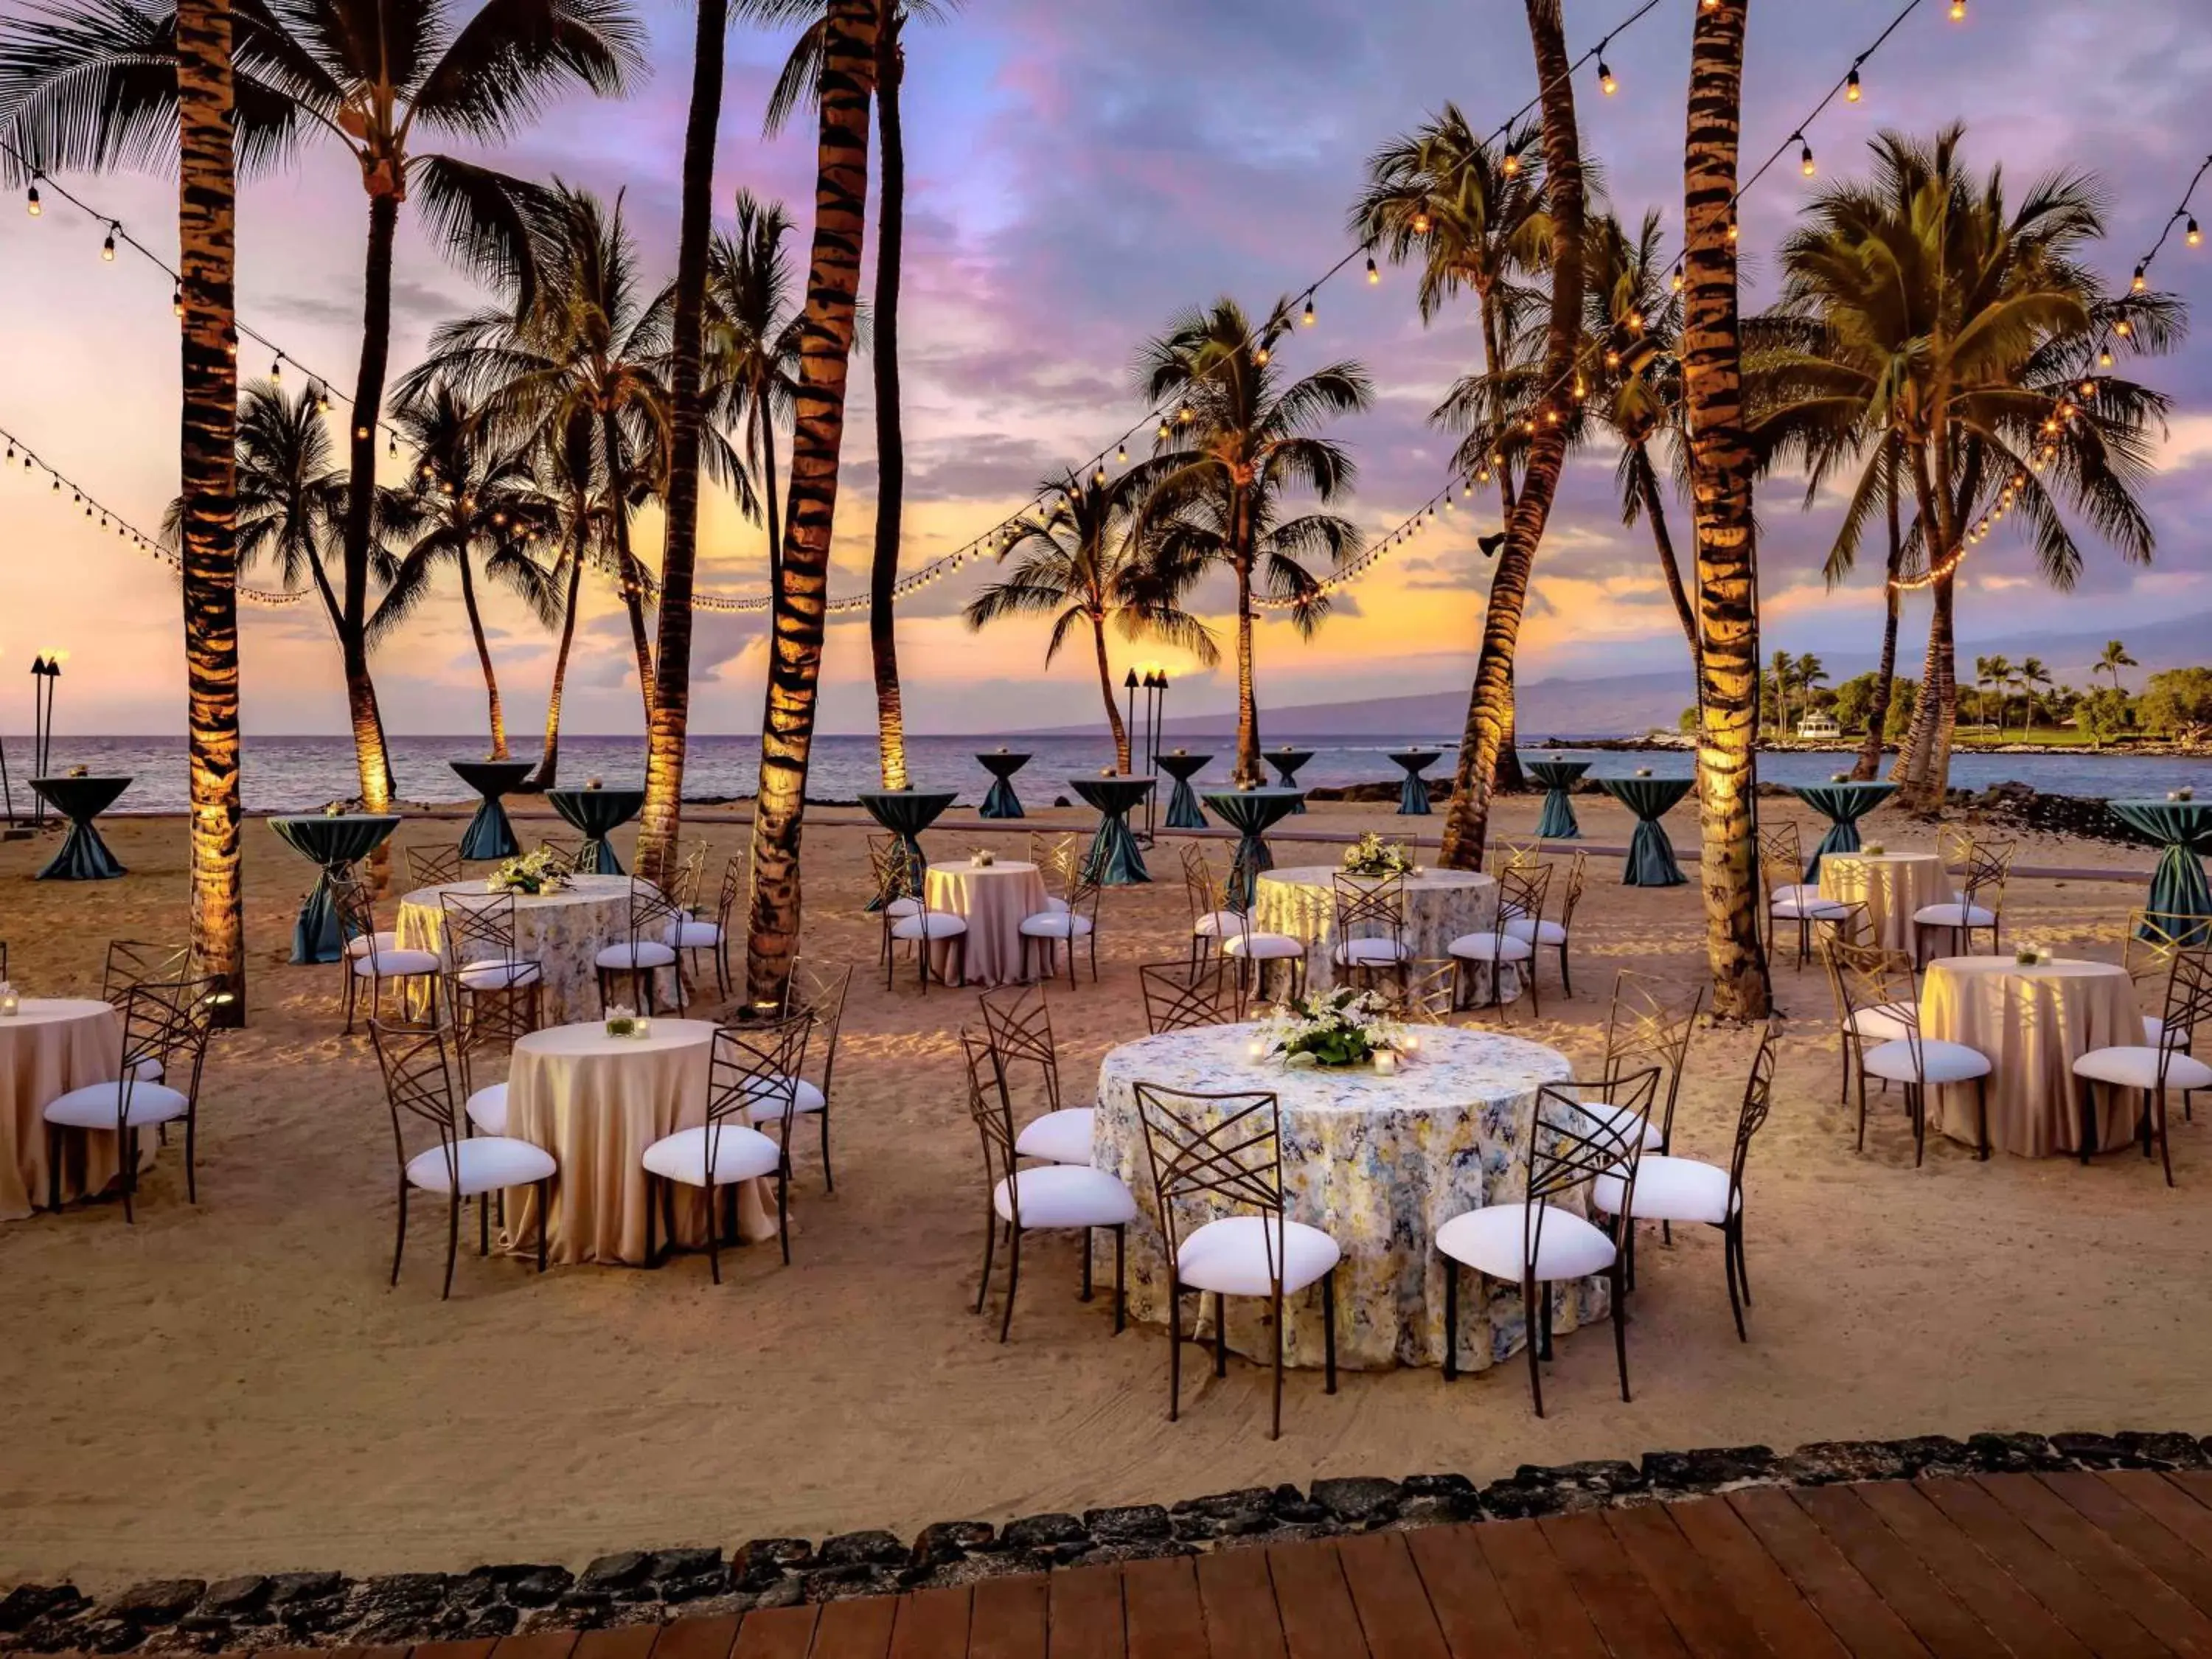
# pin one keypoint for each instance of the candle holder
(10, 1003)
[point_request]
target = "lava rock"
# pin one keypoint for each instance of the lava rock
(229, 1598)
(853, 1578)
(1042, 1531)
(1711, 1468)
(27, 1602)
(1534, 1491)
(1426, 1499)
(1128, 1522)
(287, 1587)
(682, 1565)
(396, 1606)
(1823, 1462)
(860, 1549)
(2015, 1454)
(949, 1541)
(158, 1601)
(757, 1564)
(611, 1574)
(540, 1587)
(1225, 1514)
(1358, 1501)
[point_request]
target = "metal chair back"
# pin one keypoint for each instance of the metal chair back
(1370, 908)
(1569, 1149)
(1180, 996)
(1017, 1027)
(992, 1110)
(1226, 1148)
(169, 1022)
(432, 866)
(418, 1085)
(1651, 1022)
(2188, 1004)
(479, 928)
(1758, 1100)
(753, 1069)
(819, 991)
(132, 963)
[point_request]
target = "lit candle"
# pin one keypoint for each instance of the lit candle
(9, 1005)
(1386, 1063)
(1254, 1050)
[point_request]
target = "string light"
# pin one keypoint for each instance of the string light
(1805, 155)
(1605, 79)
(1420, 223)
(177, 299)
(1851, 89)
(107, 245)
(1373, 275)
(1958, 11)
(1308, 319)
(31, 204)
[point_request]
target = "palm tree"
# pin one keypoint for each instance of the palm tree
(1782, 674)
(752, 346)
(2113, 659)
(1722, 463)
(76, 91)
(1809, 675)
(2034, 676)
(1489, 703)
(833, 279)
(207, 247)
(580, 510)
(481, 504)
(1995, 672)
(1083, 562)
(1242, 438)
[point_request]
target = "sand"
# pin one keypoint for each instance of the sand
(234, 1387)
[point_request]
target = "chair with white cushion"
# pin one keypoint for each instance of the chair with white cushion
(643, 954)
(1977, 907)
(1669, 1190)
(433, 866)
(917, 924)
(1876, 1007)
(418, 1087)
(2147, 952)
(482, 962)
(819, 991)
(1211, 920)
(1075, 921)
(1537, 1243)
(1251, 949)
(1369, 929)
(1791, 901)
(2154, 1069)
(1182, 996)
(1651, 1024)
(132, 963)
(752, 1079)
(1521, 891)
(373, 958)
(1428, 996)
(1545, 934)
(1017, 1027)
(1874, 1002)
(489, 1018)
(166, 1022)
(1057, 1196)
(894, 892)
(1208, 1152)
(693, 934)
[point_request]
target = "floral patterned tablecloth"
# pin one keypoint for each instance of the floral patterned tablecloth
(1379, 1164)
(562, 933)
(1440, 906)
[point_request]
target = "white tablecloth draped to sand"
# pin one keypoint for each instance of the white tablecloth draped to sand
(2034, 1023)
(561, 931)
(1892, 886)
(50, 1046)
(1441, 905)
(992, 899)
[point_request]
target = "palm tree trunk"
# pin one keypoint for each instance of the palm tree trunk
(1509, 780)
(890, 440)
(206, 238)
(1654, 513)
(774, 503)
(1489, 707)
(1935, 712)
(613, 454)
(548, 764)
(1248, 707)
(1106, 691)
(370, 756)
(1885, 679)
(483, 657)
(668, 708)
(1720, 469)
(833, 279)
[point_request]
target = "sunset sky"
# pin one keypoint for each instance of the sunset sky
(1077, 175)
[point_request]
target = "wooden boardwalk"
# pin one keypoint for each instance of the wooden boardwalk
(2115, 1563)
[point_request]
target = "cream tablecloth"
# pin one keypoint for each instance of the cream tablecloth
(2034, 1023)
(49, 1047)
(1377, 1162)
(1892, 886)
(993, 899)
(562, 931)
(596, 1103)
(1441, 905)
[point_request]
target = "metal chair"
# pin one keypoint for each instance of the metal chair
(917, 925)
(1866, 985)
(165, 1022)
(694, 934)
(376, 957)
(645, 951)
(2152, 1069)
(1650, 1024)
(1182, 995)
(1521, 889)
(1018, 1028)
(821, 993)
(1978, 906)
(1874, 1008)
(1075, 920)
(1213, 918)
(481, 959)
(1541, 934)
(433, 866)
(753, 1077)
(1370, 928)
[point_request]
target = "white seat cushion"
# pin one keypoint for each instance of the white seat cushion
(1052, 903)
(696, 935)
(1954, 915)
(1055, 924)
(487, 1109)
(1490, 1241)
(1943, 1062)
(1064, 1195)
(2130, 1067)
(1793, 890)
(1490, 947)
(2154, 1033)
(1218, 924)
(642, 953)
(1669, 1190)
(395, 964)
(1230, 1255)
(902, 906)
(1887, 1022)
(1263, 947)
(96, 1104)
(150, 1069)
(1536, 932)
(486, 1163)
(937, 924)
(1619, 1118)
(807, 1098)
(498, 975)
(1371, 952)
(740, 1154)
(358, 945)
(1062, 1137)
(1813, 908)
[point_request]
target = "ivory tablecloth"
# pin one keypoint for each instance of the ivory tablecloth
(561, 931)
(2034, 1023)
(596, 1103)
(1440, 906)
(993, 899)
(1379, 1164)
(49, 1047)
(1892, 886)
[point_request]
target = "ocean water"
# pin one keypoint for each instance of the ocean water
(298, 774)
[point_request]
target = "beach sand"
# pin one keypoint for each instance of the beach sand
(234, 1387)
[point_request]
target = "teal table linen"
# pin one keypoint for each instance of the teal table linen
(335, 843)
(1845, 804)
(83, 855)
(490, 836)
(906, 813)
(1002, 802)
(1286, 762)
(1651, 855)
(2179, 893)
(1114, 859)
(1558, 777)
(598, 813)
(1414, 794)
(1251, 813)
(1183, 811)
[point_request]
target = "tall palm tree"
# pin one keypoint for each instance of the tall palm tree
(1809, 675)
(1084, 561)
(1995, 672)
(1241, 441)
(1782, 674)
(2034, 677)
(2113, 659)
(207, 249)
(481, 505)
(833, 279)
(1467, 826)
(579, 511)
(752, 346)
(1722, 463)
(74, 92)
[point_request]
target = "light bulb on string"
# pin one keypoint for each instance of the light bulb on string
(1605, 79)
(1163, 429)
(1122, 454)
(1732, 230)
(1260, 355)
(1307, 317)
(1373, 275)
(2124, 328)
(1420, 222)
(276, 369)
(1511, 165)
(107, 245)
(1851, 90)
(2105, 356)
(1958, 11)
(31, 204)
(1099, 476)
(1678, 281)
(2194, 236)
(177, 298)
(2139, 281)
(1805, 155)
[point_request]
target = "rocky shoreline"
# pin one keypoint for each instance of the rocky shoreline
(327, 1609)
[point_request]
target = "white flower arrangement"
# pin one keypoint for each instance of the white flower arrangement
(982, 858)
(621, 1022)
(1370, 855)
(1335, 1029)
(532, 874)
(2032, 956)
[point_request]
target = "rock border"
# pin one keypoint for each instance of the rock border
(327, 1609)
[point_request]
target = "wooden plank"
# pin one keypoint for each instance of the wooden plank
(1083, 1614)
(1777, 1610)
(858, 1627)
(1319, 1622)
(1394, 1615)
(1537, 1589)
(478, 1649)
(1612, 1592)
(1241, 1619)
(541, 1645)
(932, 1624)
(696, 1638)
(2027, 1598)
(1862, 1620)
(771, 1633)
(2166, 1585)
(1464, 1595)
(1913, 1593)
(1696, 1604)
(2198, 1483)
(2173, 1506)
(1005, 1619)
(623, 1642)
(1160, 1609)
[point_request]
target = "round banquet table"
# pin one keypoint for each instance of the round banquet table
(1558, 777)
(596, 1103)
(1379, 1164)
(1114, 859)
(1440, 905)
(597, 813)
(48, 1046)
(1892, 886)
(1001, 802)
(561, 931)
(83, 855)
(2034, 1023)
(1843, 805)
(490, 836)
(993, 899)
(1286, 762)
(1413, 792)
(1651, 855)
(906, 813)
(2178, 888)
(1182, 802)
(334, 841)
(1251, 813)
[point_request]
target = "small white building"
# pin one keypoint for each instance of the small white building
(1819, 727)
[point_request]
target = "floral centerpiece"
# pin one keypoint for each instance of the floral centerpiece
(1336, 1029)
(621, 1022)
(532, 874)
(2032, 956)
(1371, 856)
(1873, 849)
(982, 858)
